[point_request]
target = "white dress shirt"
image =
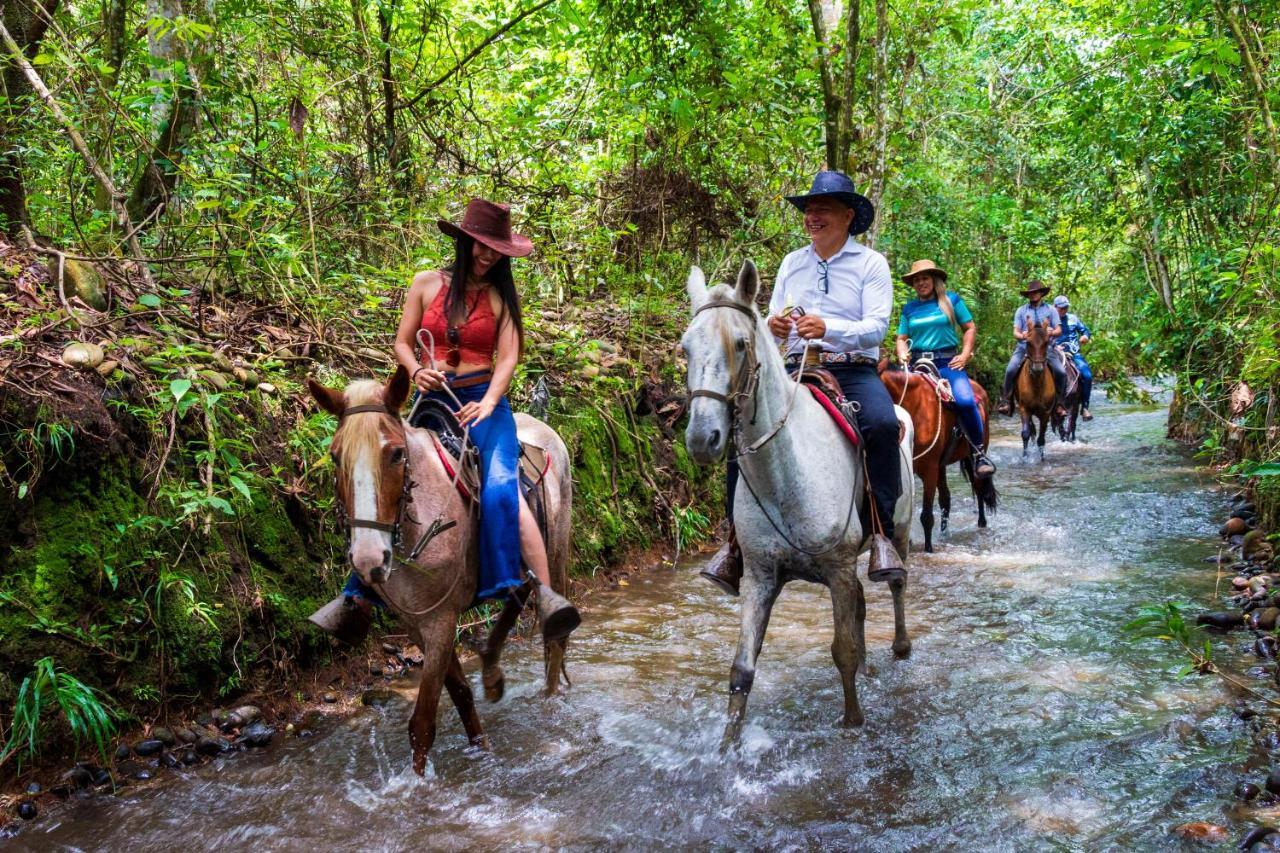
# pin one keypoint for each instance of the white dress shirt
(857, 303)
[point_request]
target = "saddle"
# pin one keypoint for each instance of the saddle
(941, 387)
(826, 390)
(458, 453)
(1073, 375)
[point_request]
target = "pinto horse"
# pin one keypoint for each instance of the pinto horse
(1035, 385)
(939, 443)
(393, 484)
(800, 483)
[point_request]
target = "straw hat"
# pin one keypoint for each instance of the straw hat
(920, 267)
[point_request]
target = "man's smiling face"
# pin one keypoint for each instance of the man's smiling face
(825, 217)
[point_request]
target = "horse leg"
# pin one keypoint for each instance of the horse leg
(944, 498)
(436, 652)
(848, 646)
(757, 604)
(455, 681)
(901, 642)
(553, 666)
(1026, 432)
(926, 506)
(1040, 439)
(492, 677)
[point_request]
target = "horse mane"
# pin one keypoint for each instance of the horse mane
(360, 433)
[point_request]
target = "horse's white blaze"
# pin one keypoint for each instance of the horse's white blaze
(367, 545)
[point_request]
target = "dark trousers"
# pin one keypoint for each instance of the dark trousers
(1054, 363)
(879, 425)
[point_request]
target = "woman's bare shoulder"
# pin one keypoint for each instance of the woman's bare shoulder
(426, 284)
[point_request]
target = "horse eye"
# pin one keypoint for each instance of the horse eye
(397, 455)
(740, 344)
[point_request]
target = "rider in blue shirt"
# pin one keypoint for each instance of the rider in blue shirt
(931, 327)
(1038, 313)
(1074, 335)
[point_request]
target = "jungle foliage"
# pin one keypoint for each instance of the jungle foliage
(250, 184)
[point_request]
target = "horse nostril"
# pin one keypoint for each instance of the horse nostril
(715, 437)
(376, 574)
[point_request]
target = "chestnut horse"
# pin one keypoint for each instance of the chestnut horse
(1035, 385)
(938, 443)
(393, 486)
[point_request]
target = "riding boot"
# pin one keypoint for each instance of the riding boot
(724, 569)
(557, 615)
(885, 563)
(1085, 413)
(983, 467)
(348, 618)
(1059, 410)
(1005, 406)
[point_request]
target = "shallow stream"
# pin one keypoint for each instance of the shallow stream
(1025, 719)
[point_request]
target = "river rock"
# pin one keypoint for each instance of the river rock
(34, 788)
(378, 697)
(214, 378)
(240, 717)
(328, 698)
(1224, 620)
(147, 747)
(142, 774)
(102, 777)
(1206, 833)
(1240, 582)
(1260, 838)
(122, 752)
(83, 355)
(257, 734)
(1233, 527)
(27, 810)
(80, 777)
(212, 746)
(185, 735)
(163, 735)
(168, 759)
(189, 757)
(81, 279)
(1265, 647)
(107, 367)
(1247, 791)
(1265, 620)
(1273, 780)
(266, 388)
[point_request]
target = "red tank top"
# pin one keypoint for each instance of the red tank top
(475, 339)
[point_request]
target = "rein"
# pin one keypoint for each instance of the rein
(748, 390)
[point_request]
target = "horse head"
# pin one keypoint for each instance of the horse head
(1037, 346)
(370, 458)
(720, 348)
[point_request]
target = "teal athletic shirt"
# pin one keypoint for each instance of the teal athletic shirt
(929, 329)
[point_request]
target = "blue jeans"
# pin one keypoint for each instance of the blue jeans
(968, 414)
(495, 437)
(1086, 379)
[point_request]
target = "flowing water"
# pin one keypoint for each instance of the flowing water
(1025, 719)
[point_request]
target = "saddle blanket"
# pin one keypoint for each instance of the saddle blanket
(836, 415)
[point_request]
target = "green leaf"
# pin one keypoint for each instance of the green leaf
(1266, 469)
(179, 388)
(150, 300)
(241, 487)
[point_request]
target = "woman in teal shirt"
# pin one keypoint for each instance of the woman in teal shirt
(931, 327)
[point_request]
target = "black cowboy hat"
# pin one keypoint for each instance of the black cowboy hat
(1035, 286)
(838, 186)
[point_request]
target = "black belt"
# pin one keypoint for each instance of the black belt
(932, 355)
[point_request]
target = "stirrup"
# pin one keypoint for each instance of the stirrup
(559, 618)
(980, 459)
(346, 618)
(885, 564)
(724, 569)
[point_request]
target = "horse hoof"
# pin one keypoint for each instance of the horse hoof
(495, 684)
(902, 650)
(852, 721)
(928, 547)
(420, 764)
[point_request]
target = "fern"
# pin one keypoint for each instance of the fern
(49, 688)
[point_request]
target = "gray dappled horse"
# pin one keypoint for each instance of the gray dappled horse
(796, 505)
(393, 486)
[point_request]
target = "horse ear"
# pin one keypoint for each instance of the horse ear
(748, 282)
(397, 389)
(696, 287)
(331, 400)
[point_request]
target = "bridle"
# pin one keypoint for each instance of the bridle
(748, 384)
(437, 526)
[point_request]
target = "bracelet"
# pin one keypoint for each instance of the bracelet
(415, 373)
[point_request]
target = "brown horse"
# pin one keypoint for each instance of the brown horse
(393, 486)
(938, 443)
(1035, 385)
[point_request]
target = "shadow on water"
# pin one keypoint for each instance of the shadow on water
(1026, 718)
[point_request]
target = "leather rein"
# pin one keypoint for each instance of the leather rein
(437, 526)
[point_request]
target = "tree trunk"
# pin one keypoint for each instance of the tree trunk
(838, 84)
(27, 23)
(1253, 77)
(365, 99)
(174, 117)
(398, 160)
(881, 95)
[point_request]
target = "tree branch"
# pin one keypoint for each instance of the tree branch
(474, 52)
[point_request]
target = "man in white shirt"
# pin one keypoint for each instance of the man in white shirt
(845, 293)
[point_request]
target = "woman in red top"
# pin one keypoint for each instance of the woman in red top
(472, 311)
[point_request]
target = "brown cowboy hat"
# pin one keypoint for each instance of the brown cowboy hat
(489, 223)
(1035, 286)
(920, 267)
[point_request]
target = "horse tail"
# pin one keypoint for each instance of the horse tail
(984, 488)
